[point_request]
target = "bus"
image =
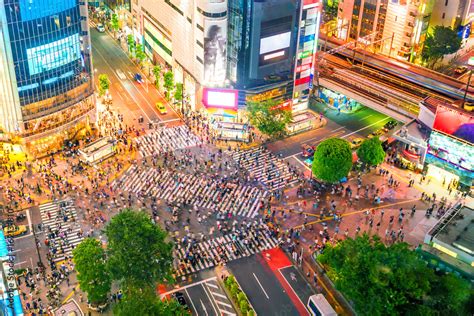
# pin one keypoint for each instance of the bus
(319, 306)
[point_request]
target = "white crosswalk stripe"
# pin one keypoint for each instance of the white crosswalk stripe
(265, 167)
(166, 139)
(207, 254)
(169, 186)
(64, 234)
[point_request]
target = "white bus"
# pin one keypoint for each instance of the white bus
(319, 306)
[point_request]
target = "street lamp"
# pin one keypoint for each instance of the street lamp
(470, 63)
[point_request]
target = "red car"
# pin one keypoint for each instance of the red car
(308, 151)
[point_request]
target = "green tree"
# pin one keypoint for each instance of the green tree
(332, 160)
(330, 8)
(371, 151)
(139, 53)
(92, 273)
(114, 23)
(157, 73)
(178, 92)
(449, 295)
(386, 280)
(268, 117)
(168, 82)
(131, 44)
(138, 253)
(143, 301)
(104, 84)
(442, 41)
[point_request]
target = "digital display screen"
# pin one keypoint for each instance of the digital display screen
(35, 9)
(52, 55)
(452, 122)
(275, 42)
(452, 150)
(220, 98)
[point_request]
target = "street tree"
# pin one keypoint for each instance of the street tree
(143, 301)
(330, 8)
(371, 152)
(168, 83)
(178, 92)
(139, 53)
(442, 41)
(131, 44)
(104, 84)
(114, 23)
(137, 250)
(332, 160)
(157, 73)
(92, 273)
(268, 117)
(389, 280)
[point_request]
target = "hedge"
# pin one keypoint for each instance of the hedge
(238, 296)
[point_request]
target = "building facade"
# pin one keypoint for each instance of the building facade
(46, 79)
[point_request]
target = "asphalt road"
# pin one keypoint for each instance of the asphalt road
(263, 289)
(132, 98)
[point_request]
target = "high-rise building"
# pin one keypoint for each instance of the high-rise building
(46, 82)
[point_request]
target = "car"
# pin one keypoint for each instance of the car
(307, 151)
(460, 70)
(390, 125)
(179, 296)
(14, 230)
(355, 143)
(377, 133)
(161, 108)
(100, 28)
(138, 78)
(309, 161)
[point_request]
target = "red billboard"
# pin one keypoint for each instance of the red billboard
(455, 123)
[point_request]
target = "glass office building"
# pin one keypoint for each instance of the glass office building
(46, 73)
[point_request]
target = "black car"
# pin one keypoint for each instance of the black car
(390, 125)
(181, 299)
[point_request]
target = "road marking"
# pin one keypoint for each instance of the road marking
(24, 236)
(171, 120)
(332, 135)
(218, 294)
(222, 303)
(227, 312)
(128, 81)
(210, 300)
(366, 117)
(335, 130)
(366, 127)
(71, 294)
(203, 307)
(293, 290)
(192, 303)
(303, 164)
(18, 263)
(28, 217)
(264, 292)
(212, 285)
(187, 286)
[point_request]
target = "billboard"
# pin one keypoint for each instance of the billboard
(275, 42)
(215, 43)
(220, 98)
(35, 9)
(52, 55)
(455, 123)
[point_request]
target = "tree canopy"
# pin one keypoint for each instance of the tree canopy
(104, 84)
(332, 160)
(268, 117)
(139, 53)
(137, 251)
(114, 22)
(330, 8)
(168, 82)
(92, 273)
(157, 73)
(391, 280)
(178, 93)
(442, 41)
(371, 151)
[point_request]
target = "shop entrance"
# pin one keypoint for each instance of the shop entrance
(441, 175)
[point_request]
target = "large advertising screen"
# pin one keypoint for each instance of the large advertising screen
(452, 122)
(451, 150)
(215, 43)
(52, 55)
(35, 9)
(275, 42)
(220, 98)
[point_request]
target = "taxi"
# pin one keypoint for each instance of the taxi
(161, 108)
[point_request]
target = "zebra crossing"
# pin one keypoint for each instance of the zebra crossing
(59, 220)
(265, 167)
(166, 139)
(212, 252)
(242, 200)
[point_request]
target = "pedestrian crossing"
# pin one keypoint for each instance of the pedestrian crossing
(199, 191)
(166, 139)
(63, 234)
(219, 250)
(265, 167)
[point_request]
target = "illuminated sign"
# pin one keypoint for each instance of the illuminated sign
(52, 55)
(305, 54)
(456, 123)
(220, 98)
(274, 55)
(215, 43)
(275, 42)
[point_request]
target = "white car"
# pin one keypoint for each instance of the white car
(100, 28)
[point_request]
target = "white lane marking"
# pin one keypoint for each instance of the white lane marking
(218, 294)
(171, 120)
(332, 135)
(299, 299)
(258, 281)
(335, 130)
(303, 164)
(187, 286)
(212, 285)
(222, 303)
(366, 117)
(28, 217)
(227, 312)
(366, 127)
(18, 263)
(203, 307)
(192, 303)
(21, 237)
(210, 300)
